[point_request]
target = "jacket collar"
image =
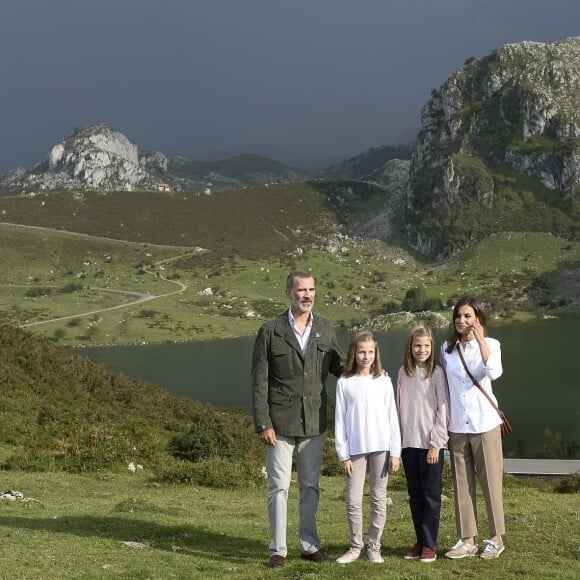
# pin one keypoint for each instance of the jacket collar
(284, 330)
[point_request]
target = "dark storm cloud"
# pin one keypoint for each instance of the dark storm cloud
(192, 76)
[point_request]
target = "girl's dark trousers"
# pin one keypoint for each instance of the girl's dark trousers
(424, 484)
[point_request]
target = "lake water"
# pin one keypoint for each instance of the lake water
(539, 388)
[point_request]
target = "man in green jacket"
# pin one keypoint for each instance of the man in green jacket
(293, 354)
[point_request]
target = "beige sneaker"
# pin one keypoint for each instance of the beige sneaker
(492, 549)
(462, 550)
(374, 554)
(349, 556)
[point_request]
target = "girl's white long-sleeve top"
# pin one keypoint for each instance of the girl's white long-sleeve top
(366, 417)
(423, 405)
(470, 411)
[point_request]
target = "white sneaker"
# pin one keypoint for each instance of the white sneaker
(492, 549)
(349, 556)
(462, 550)
(374, 554)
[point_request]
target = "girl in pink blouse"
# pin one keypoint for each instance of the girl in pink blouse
(423, 402)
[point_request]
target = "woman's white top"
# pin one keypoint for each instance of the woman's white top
(423, 405)
(470, 411)
(365, 418)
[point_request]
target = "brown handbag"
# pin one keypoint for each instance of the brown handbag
(505, 426)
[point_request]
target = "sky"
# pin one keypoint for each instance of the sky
(298, 79)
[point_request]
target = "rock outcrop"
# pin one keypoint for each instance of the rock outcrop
(99, 158)
(499, 149)
(94, 157)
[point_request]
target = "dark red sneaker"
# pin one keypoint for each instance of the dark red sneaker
(414, 553)
(428, 554)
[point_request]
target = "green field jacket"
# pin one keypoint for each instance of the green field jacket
(288, 389)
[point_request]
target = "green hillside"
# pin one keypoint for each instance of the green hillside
(256, 222)
(62, 412)
(239, 167)
(214, 266)
(96, 458)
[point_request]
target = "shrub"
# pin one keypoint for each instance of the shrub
(392, 307)
(145, 313)
(569, 484)
(30, 459)
(59, 334)
(215, 434)
(36, 292)
(414, 300)
(70, 288)
(177, 471)
(207, 437)
(214, 472)
(433, 304)
(331, 468)
(224, 474)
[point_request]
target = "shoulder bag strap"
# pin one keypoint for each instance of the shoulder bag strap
(475, 381)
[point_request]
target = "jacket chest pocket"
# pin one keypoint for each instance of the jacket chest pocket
(282, 360)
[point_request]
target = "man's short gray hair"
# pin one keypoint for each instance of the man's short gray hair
(298, 273)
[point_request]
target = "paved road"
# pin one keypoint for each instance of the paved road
(141, 298)
(541, 466)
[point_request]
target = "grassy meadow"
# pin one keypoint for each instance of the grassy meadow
(134, 267)
(131, 526)
(214, 266)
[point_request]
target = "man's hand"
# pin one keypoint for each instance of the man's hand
(394, 463)
(268, 437)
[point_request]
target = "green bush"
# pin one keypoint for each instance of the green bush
(216, 472)
(223, 474)
(177, 471)
(215, 434)
(211, 434)
(36, 292)
(331, 468)
(569, 484)
(30, 459)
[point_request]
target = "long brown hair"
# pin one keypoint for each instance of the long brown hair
(477, 306)
(409, 362)
(351, 366)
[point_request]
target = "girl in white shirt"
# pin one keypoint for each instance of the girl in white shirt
(366, 432)
(423, 402)
(474, 429)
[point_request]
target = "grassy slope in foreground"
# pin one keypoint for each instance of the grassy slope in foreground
(79, 526)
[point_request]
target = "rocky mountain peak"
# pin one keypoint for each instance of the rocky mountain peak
(494, 124)
(93, 157)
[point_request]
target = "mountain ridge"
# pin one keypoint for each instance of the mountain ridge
(498, 149)
(98, 157)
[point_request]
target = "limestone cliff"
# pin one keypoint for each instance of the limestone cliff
(99, 158)
(499, 149)
(94, 157)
